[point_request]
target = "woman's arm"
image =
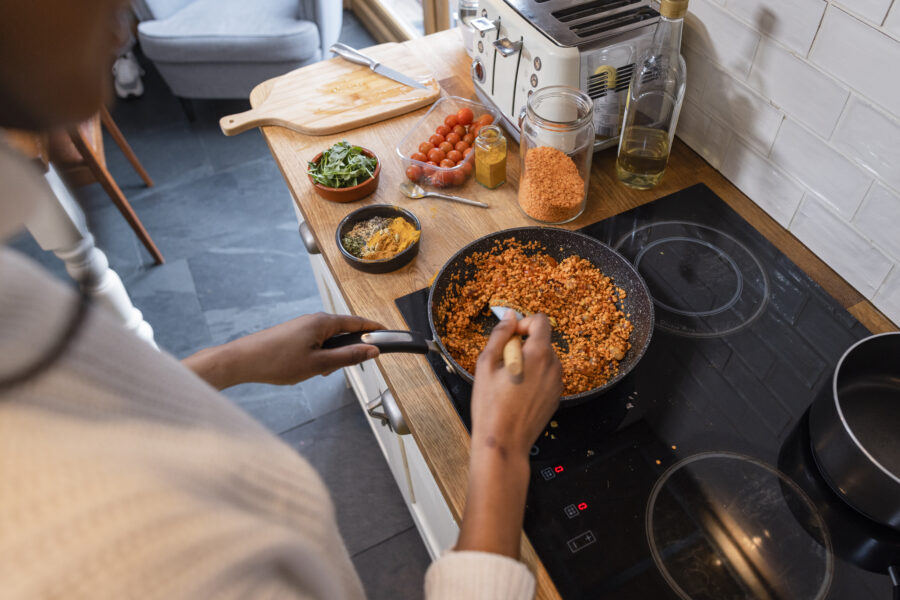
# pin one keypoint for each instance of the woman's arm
(508, 415)
(284, 354)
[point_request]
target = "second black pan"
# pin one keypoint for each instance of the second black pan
(558, 243)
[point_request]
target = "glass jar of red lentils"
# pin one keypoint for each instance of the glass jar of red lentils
(556, 147)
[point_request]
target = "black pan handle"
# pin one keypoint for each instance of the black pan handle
(385, 340)
(894, 573)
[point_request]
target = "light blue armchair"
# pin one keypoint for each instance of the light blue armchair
(223, 48)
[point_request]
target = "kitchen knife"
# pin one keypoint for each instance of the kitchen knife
(354, 56)
(512, 351)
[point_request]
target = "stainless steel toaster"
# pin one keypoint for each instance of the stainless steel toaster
(523, 45)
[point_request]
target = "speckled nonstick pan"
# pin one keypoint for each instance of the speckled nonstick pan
(558, 243)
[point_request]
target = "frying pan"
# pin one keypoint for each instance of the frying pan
(558, 243)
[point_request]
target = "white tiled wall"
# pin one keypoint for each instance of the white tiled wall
(797, 102)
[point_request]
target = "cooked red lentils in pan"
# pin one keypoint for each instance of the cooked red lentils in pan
(582, 304)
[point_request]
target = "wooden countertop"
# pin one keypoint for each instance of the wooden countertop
(447, 226)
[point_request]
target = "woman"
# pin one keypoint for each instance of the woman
(124, 474)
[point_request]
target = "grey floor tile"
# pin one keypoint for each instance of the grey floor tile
(343, 450)
(112, 234)
(166, 296)
(260, 267)
(218, 209)
(157, 108)
(171, 155)
(226, 151)
(226, 324)
(327, 393)
(280, 408)
(395, 568)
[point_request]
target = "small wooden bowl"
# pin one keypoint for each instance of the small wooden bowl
(348, 194)
(384, 265)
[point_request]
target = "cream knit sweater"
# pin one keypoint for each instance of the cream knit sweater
(123, 475)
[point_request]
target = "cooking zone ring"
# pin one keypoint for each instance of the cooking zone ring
(729, 285)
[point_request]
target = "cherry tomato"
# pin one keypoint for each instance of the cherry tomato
(485, 119)
(436, 139)
(447, 164)
(452, 138)
(429, 168)
(459, 177)
(419, 156)
(465, 116)
(451, 121)
(474, 129)
(441, 178)
(469, 138)
(446, 147)
(442, 130)
(467, 167)
(414, 172)
(436, 155)
(459, 130)
(467, 151)
(461, 147)
(425, 147)
(455, 156)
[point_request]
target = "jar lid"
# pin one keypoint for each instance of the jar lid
(673, 9)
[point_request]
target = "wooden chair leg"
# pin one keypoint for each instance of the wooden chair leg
(112, 189)
(123, 145)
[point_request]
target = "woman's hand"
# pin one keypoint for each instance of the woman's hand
(511, 412)
(508, 415)
(284, 354)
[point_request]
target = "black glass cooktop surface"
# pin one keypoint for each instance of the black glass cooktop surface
(670, 485)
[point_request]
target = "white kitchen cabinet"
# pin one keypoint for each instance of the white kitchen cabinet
(423, 498)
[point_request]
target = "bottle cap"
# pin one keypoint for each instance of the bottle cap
(673, 9)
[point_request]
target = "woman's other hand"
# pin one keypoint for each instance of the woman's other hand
(284, 354)
(508, 412)
(508, 415)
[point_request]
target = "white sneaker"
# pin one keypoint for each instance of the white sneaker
(127, 73)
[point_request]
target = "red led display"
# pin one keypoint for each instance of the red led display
(582, 506)
(558, 469)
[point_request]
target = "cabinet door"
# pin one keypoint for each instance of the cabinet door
(425, 501)
(436, 524)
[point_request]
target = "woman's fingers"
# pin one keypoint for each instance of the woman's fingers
(349, 324)
(537, 328)
(331, 360)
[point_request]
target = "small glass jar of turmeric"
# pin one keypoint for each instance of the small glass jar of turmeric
(490, 157)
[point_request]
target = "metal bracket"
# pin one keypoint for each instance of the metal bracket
(483, 24)
(309, 239)
(507, 47)
(390, 414)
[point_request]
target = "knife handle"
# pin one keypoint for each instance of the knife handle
(353, 55)
(512, 356)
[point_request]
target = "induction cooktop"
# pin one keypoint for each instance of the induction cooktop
(670, 485)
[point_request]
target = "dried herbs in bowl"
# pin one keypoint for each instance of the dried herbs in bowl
(343, 166)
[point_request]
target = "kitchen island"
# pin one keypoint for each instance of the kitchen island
(431, 468)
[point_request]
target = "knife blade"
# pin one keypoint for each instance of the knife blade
(355, 56)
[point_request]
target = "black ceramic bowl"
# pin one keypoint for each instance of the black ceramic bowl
(384, 265)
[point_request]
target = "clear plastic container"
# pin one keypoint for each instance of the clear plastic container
(424, 128)
(556, 146)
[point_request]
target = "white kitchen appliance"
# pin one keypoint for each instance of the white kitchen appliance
(523, 45)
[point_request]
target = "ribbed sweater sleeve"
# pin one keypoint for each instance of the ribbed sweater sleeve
(478, 576)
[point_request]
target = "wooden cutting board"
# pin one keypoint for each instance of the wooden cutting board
(336, 95)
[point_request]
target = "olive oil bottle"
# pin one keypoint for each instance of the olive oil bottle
(654, 101)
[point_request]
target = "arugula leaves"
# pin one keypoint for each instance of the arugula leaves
(342, 166)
